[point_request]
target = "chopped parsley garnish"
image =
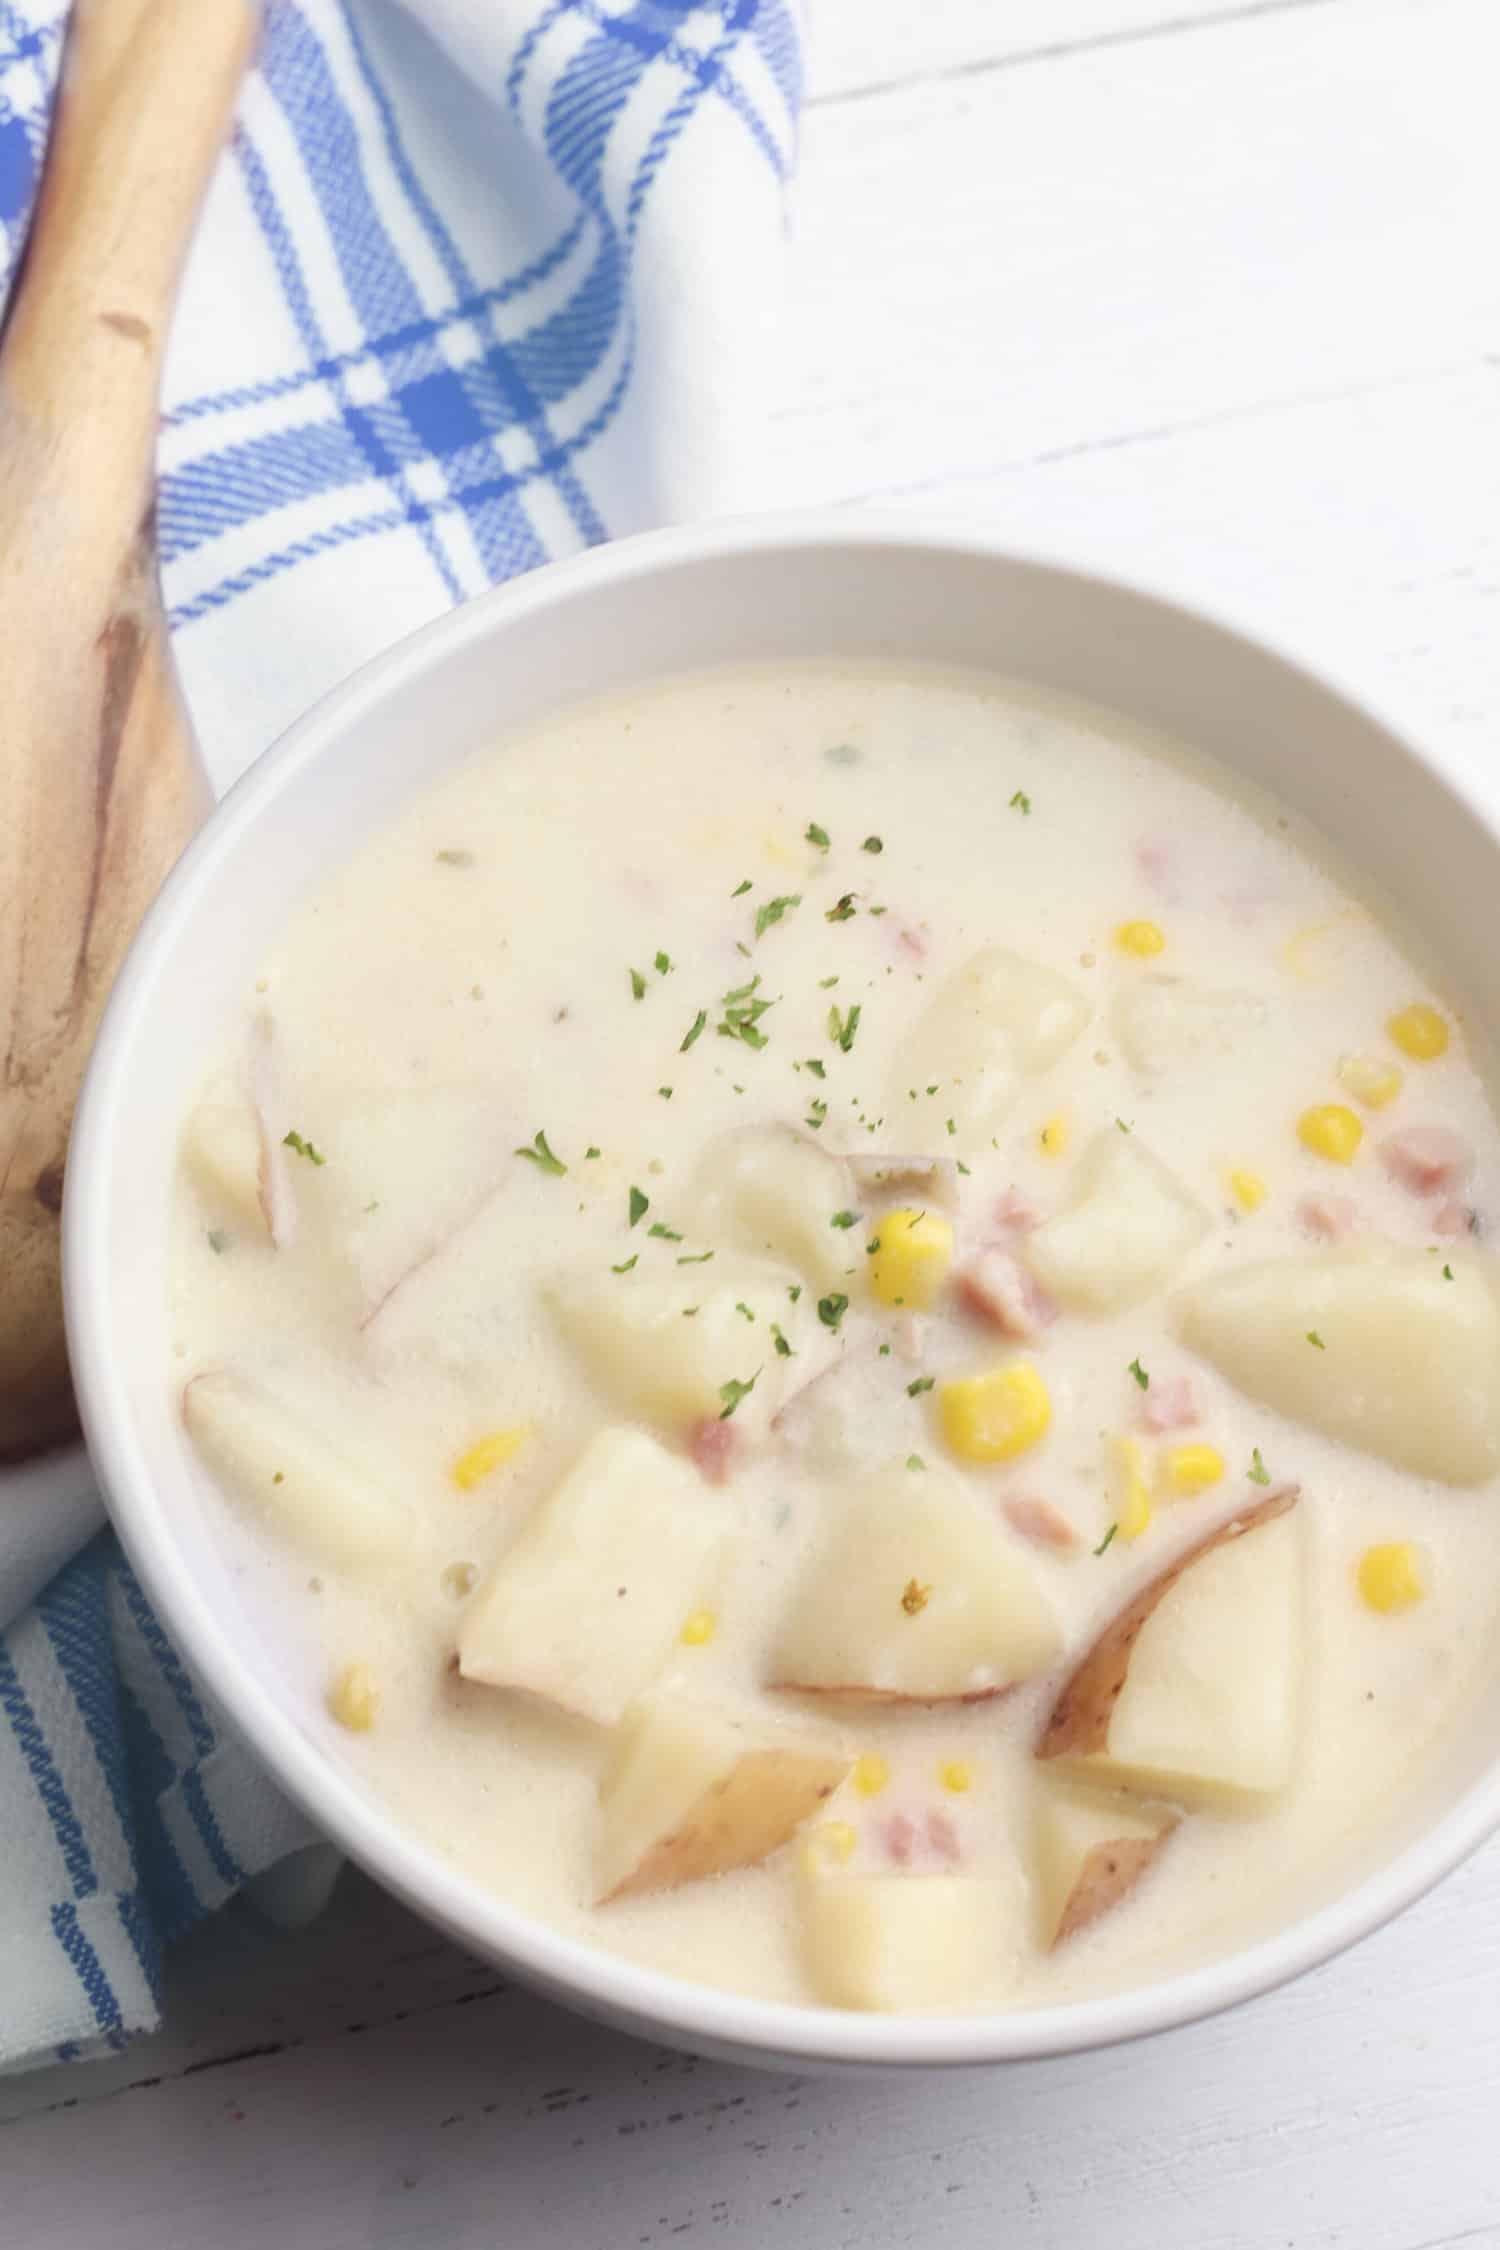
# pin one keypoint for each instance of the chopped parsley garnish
(1140, 1374)
(794, 1290)
(921, 1383)
(639, 1205)
(1020, 802)
(741, 1307)
(294, 1140)
(813, 834)
(1121, 1126)
(628, 1264)
(1447, 1273)
(844, 1219)
(665, 1093)
(638, 984)
(742, 1014)
(844, 911)
(741, 888)
(695, 1030)
(662, 964)
(783, 1347)
(1108, 1536)
(1316, 1340)
(963, 1168)
(915, 1598)
(589, 1154)
(842, 1025)
(816, 1115)
(1257, 1472)
(826, 984)
(690, 1312)
(872, 1246)
(915, 1461)
(698, 1258)
(872, 844)
(885, 1351)
(449, 857)
(767, 916)
(218, 1241)
(952, 1128)
(662, 1232)
(814, 1063)
(831, 1310)
(733, 1391)
(540, 1155)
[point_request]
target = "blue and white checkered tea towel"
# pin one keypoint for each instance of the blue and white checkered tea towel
(479, 283)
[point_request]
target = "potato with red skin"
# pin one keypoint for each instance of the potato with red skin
(1092, 1850)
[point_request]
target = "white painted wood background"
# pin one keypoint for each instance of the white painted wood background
(1210, 291)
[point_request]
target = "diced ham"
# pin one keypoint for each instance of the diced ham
(1156, 861)
(714, 1445)
(1040, 1522)
(1014, 1215)
(942, 1837)
(1453, 1217)
(1330, 1217)
(1427, 1159)
(998, 1288)
(899, 1834)
(1168, 1404)
(935, 1178)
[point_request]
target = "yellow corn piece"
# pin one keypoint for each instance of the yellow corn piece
(871, 1773)
(1187, 1469)
(1419, 1031)
(911, 1265)
(1133, 1512)
(1318, 951)
(956, 1774)
(699, 1628)
(1248, 1189)
(354, 1699)
(1055, 1135)
(1390, 1577)
(1143, 939)
(1331, 1131)
(831, 1844)
(996, 1416)
(486, 1455)
(1370, 1079)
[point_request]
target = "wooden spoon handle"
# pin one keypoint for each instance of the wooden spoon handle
(99, 784)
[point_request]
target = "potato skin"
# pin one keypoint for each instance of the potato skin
(1108, 1875)
(1079, 1721)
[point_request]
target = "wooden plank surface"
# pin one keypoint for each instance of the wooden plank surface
(1203, 291)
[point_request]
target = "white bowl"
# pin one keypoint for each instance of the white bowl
(790, 589)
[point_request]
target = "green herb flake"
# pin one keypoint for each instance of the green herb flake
(844, 911)
(774, 910)
(920, 1384)
(844, 1219)
(952, 1128)
(698, 1258)
(662, 1232)
(638, 984)
(816, 1115)
(885, 1351)
(1447, 1273)
(1020, 802)
(1140, 1374)
(218, 1241)
(915, 1461)
(813, 834)
(843, 1024)
(794, 1290)
(872, 1246)
(452, 857)
(826, 984)
(843, 754)
(784, 1349)
(832, 1309)
(1316, 1340)
(733, 1391)
(741, 1307)
(294, 1140)
(1105, 1541)
(665, 1093)
(695, 1031)
(963, 1168)
(629, 1264)
(639, 1205)
(663, 964)
(590, 1153)
(690, 1312)
(872, 844)
(542, 1157)
(1257, 1472)
(1121, 1126)
(741, 888)
(814, 1063)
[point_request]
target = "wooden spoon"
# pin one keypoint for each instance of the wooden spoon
(99, 782)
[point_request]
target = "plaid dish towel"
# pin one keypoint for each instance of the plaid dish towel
(480, 283)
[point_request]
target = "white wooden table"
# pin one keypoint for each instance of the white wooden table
(1207, 289)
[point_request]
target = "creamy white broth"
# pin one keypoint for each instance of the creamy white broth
(477, 955)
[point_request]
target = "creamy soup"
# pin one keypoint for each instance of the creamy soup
(844, 1321)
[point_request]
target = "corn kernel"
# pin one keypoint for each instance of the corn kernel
(1188, 1469)
(956, 1774)
(698, 1628)
(911, 1265)
(1054, 1136)
(1248, 1190)
(1370, 1079)
(486, 1455)
(1390, 1577)
(1143, 939)
(831, 1844)
(1134, 1503)
(1319, 951)
(996, 1416)
(871, 1773)
(1331, 1131)
(354, 1699)
(1419, 1031)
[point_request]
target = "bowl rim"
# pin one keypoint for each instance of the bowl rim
(590, 1978)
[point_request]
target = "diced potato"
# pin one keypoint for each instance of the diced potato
(1165, 1023)
(690, 1793)
(643, 1342)
(585, 1606)
(221, 1152)
(264, 1452)
(997, 1022)
(774, 1192)
(406, 1172)
(1131, 1221)
(1406, 1363)
(1192, 1692)
(911, 1942)
(916, 1597)
(1091, 1851)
